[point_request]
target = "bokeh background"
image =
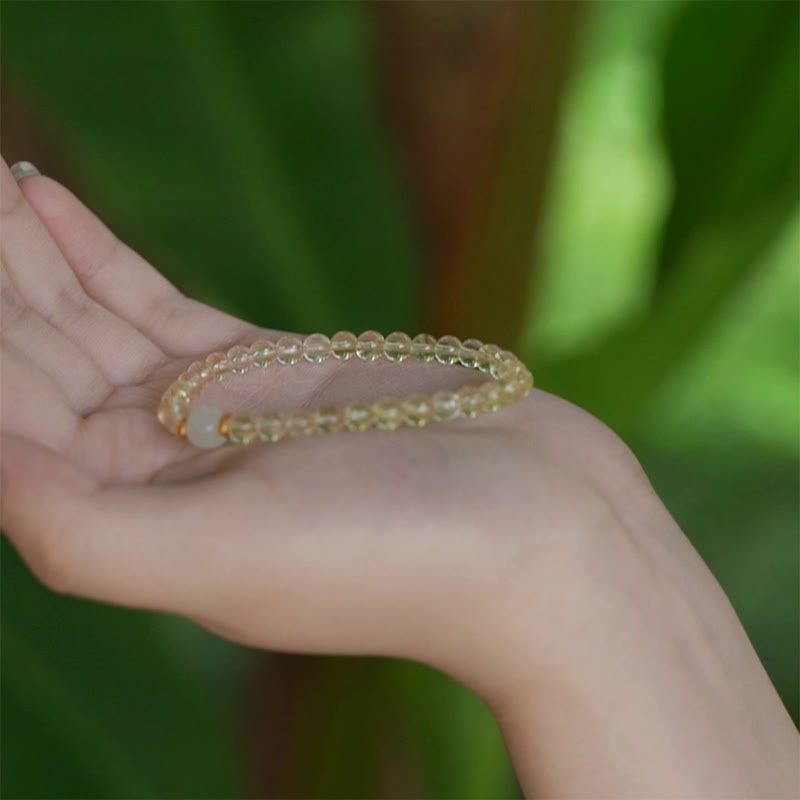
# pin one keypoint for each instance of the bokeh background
(609, 188)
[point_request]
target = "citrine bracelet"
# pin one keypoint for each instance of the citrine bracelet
(208, 427)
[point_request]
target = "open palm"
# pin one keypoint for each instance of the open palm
(355, 543)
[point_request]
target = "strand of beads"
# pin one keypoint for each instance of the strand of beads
(208, 427)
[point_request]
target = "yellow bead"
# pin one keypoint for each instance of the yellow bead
(446, 406)
(423, 347)
(263, 353)
(290, 350)
(388, 414)
(358, 417)
(240, 359)
(329, 420)
(370, 346)
(271, 426)
(219, 366)
(417, 410)
(316, 348)
(472, 400)
(343, 345)
(447, 350)
(468, 353)
(301, 423)
(242, 429)
(492, 395)
(397, 346)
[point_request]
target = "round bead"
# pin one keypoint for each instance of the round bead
(423, 347)
(219, 366)
(329, 420)
(370, 346)
(343, 345)
(316, 348)
(290, 350)
(447, 350)
(469, 351)
(472, 400)
(240, 359)
(446, 405)
(512, 391)
(417, 410)
(271, 426)
(492, 394)
(242, 429)
(397, 346)
(202, 427)
(388, 413)
(358, 417)
(167, 416)
(263, 353)
(301, 423)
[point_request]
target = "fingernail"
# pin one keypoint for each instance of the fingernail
(23, 169)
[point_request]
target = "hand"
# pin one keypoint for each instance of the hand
(522, 552)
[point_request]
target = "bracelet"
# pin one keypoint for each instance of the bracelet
(208, 427)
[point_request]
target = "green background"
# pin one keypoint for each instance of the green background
(242, 149)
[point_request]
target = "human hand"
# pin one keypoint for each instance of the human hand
(512, 551)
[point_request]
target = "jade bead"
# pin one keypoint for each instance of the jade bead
(202, 427)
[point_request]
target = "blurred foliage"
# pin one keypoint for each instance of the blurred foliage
(240, 148)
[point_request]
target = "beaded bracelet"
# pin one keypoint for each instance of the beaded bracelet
(208, 427)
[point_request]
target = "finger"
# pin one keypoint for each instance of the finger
(122, 281)
(79, 539)
(46, 284)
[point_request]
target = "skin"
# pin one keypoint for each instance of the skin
(524, 553)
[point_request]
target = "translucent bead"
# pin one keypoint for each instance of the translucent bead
(423, 347)
(316, 348)
(271, 426)
(358, 417)
(417, 410)
(472, 400)
(447, 350)
(370, 346)
(167, 416)
(329, 420)
(290, 350)
(263, 353)
(218, 364)
(468, 353)
(397, 346)
(446, 406)
(240, 358)
(491, 354)
(511, 391)
(242, 429)
(492, 394)
(343, 345)
(388, 413)
(301, 423)
(202, 427)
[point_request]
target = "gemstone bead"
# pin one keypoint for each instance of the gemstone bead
(290, 350)
(370, 346)
(263, 353)
(219, 366)
(417, 410)
(446, 406)
(202, 427)
(301, 423)
(343, 345)
(447, 350)
(271, 426)
(329, 420)
(472, 400)
(423, 347)
(358, 417)
(397, 346)
(388, 413)
(492, 394)
(469, 351)
(240, 359)
(242, 429)
(316, 348)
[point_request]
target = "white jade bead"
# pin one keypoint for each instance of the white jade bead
(202, 427)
